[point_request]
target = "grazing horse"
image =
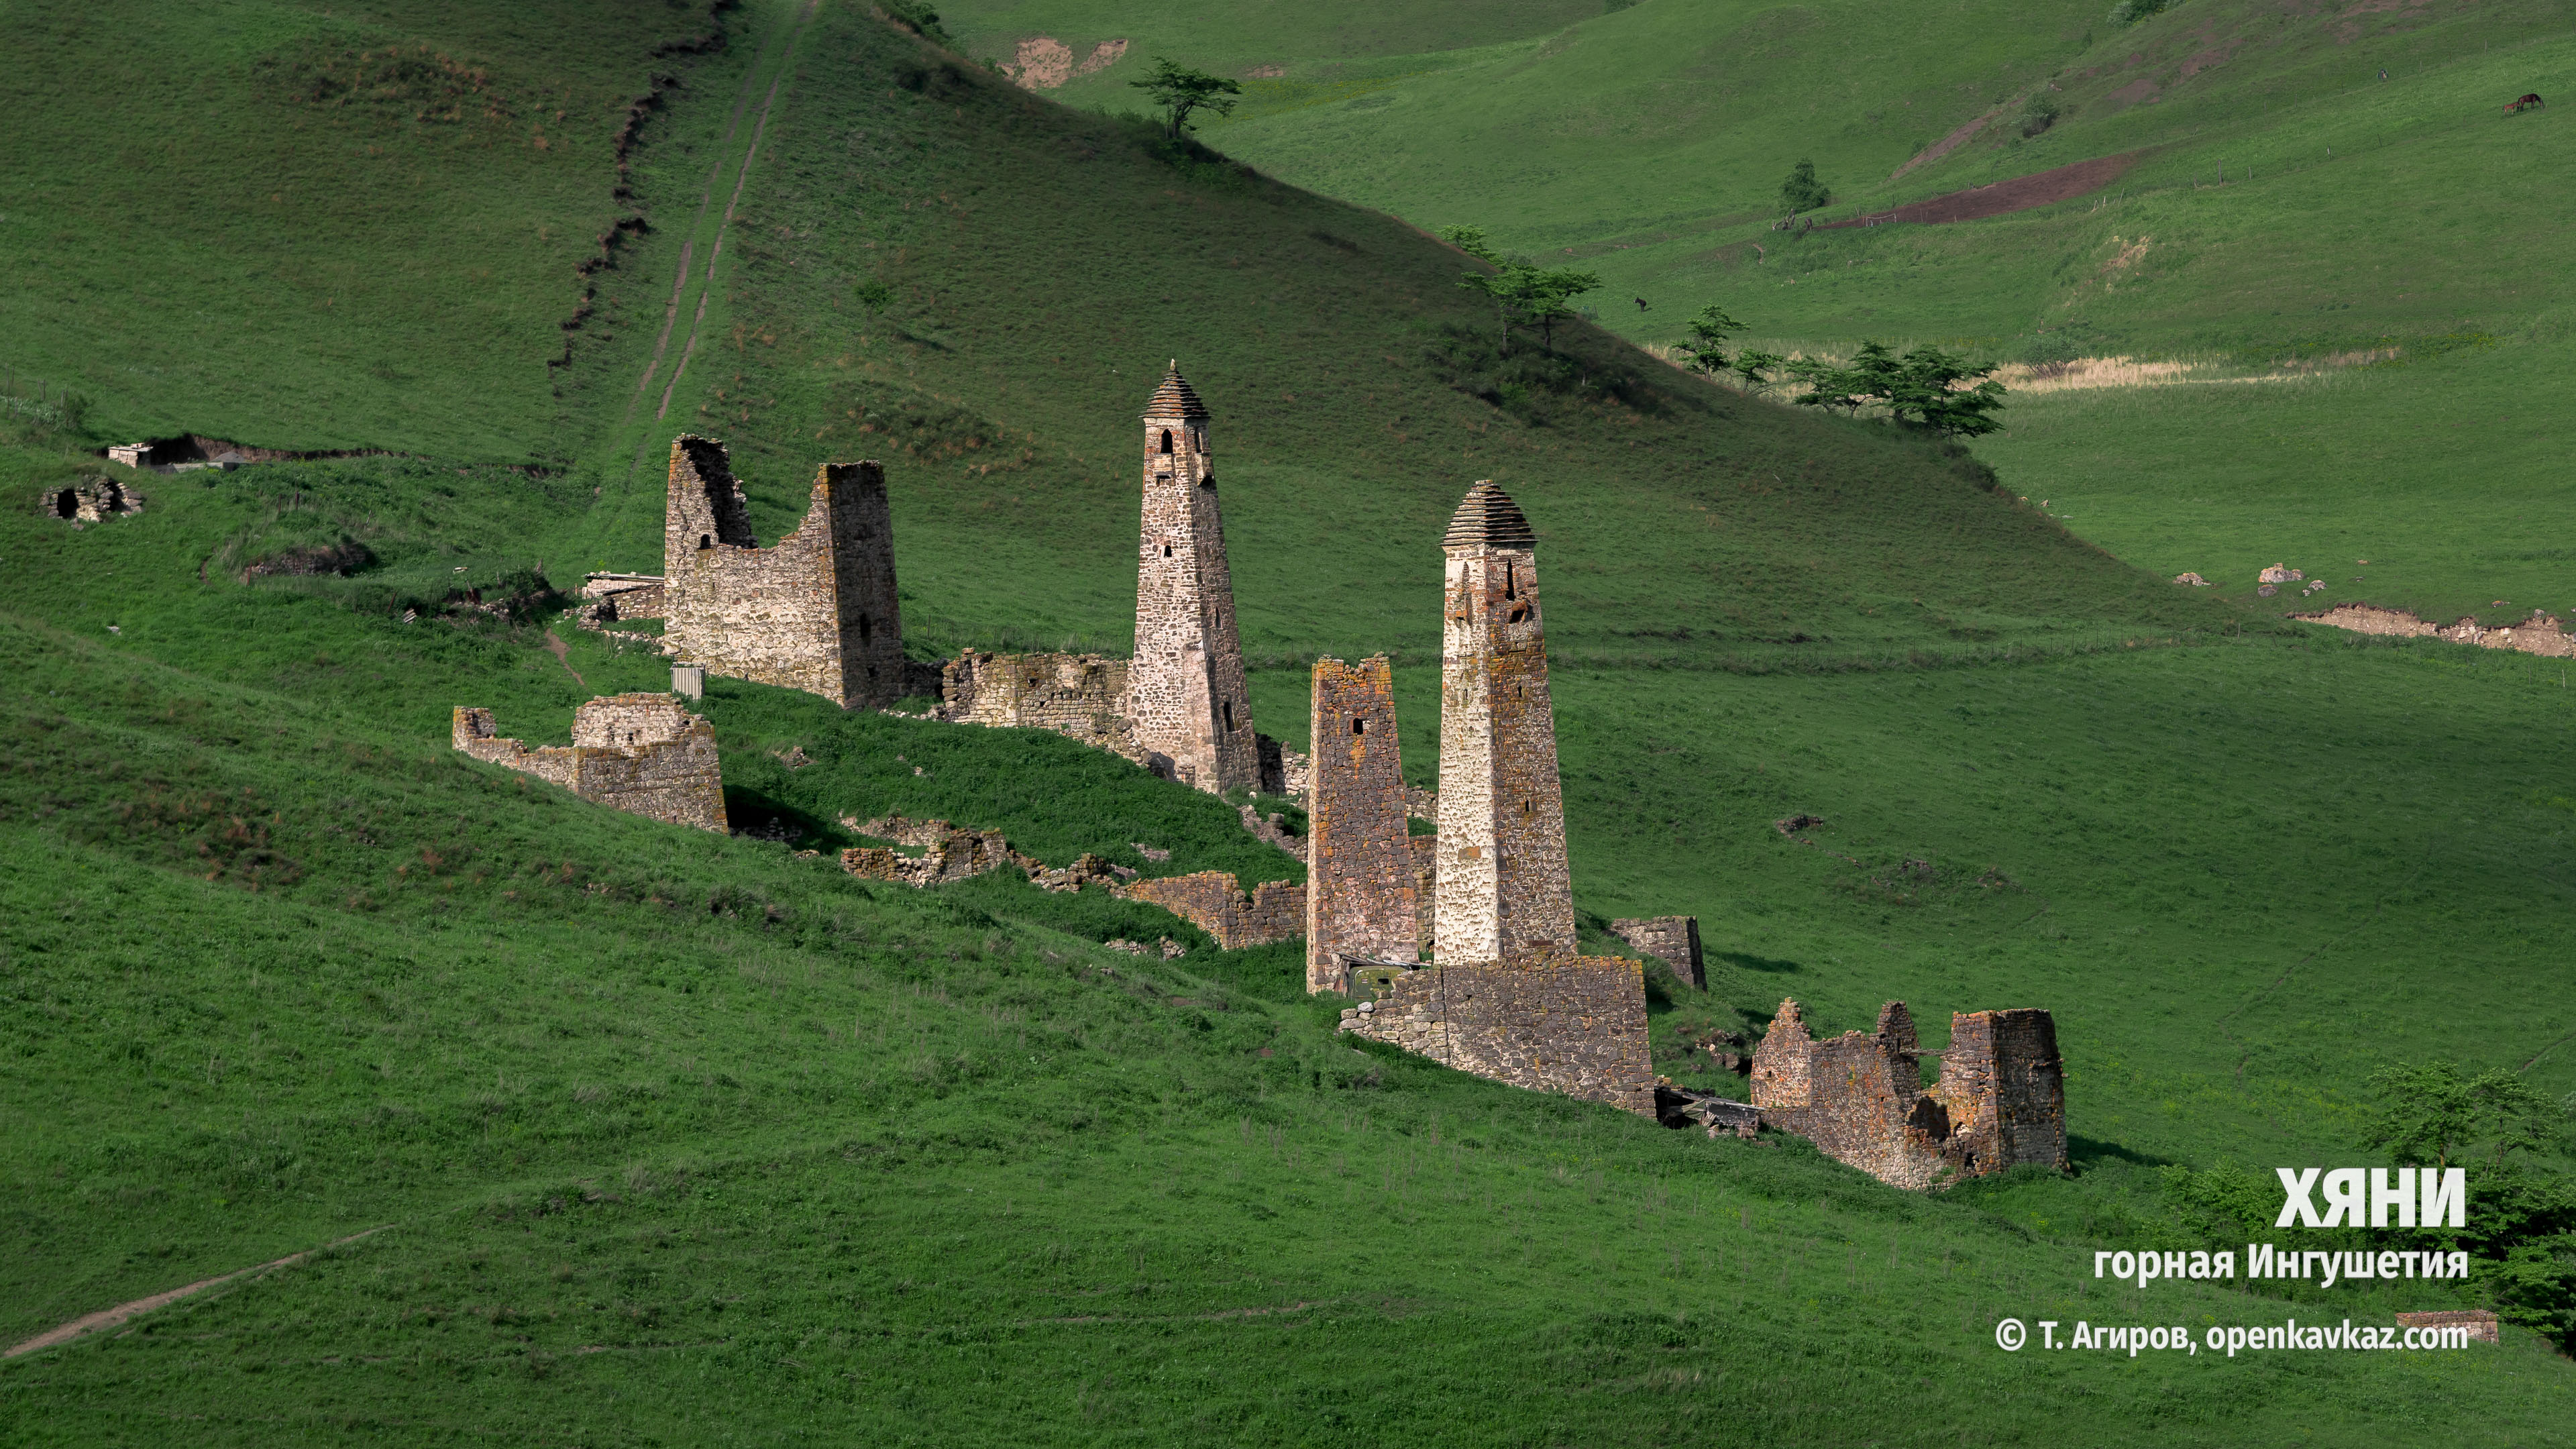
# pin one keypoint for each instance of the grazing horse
(2532, 99)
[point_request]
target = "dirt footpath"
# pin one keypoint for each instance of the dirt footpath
(2021, 193)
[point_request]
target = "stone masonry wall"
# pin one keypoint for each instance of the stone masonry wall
(1569, 1024)
(1210, 900)
(1859, 1097)
(1504, 888)
(816, 612)
(1083, 696)
(1185, 685)
(640, 753)
(1673, 938)
(1359, 863)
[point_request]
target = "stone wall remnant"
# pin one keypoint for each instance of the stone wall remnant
(1080, 696)
(2479, 1323)
(617, 597)
(1674, 939)
(640, 753)
(2000, 1100)
(1360, 875)
(1509, 996)
(1185, 690)
(815, 612)
(1272, 911)
(2541, 634)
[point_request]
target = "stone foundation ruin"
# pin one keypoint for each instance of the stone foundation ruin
(2540, 634)
(815, 612)
(94, 499)
(1509, 997)
(2000, 1100)
(640, 753)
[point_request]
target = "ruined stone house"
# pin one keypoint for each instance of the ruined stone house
(1509, 996)
(2000, 1100)
(1360, 876)
(1185, 690)
(816, 611)
(640, 753)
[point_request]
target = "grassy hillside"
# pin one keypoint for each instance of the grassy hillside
(686, 1137)
(2357, 215)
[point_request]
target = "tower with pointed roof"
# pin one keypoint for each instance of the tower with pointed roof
(1185, 689)
(1503, 893)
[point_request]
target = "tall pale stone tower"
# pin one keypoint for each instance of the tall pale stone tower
(1185, 687)
(1359, 860)
(1504, 894)
(1508, 994)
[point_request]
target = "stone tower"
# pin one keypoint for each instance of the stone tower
(1185, 686)
(1504, 894)
(1359, 863)
(815, 612)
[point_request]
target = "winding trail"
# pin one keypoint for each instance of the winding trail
(110, 1317)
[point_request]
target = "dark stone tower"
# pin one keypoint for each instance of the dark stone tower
(1359, 861)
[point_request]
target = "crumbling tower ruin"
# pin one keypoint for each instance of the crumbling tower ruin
(1509, 996)
(2000, 1101)
(1185, 685)
(1359, 864)
(815, 612)
(1504, 891)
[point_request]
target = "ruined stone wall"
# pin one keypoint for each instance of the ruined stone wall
(670, 774)
(1504, 890)
(2005, 1090)
(1359, 864)
(1569, 1024)
(2001, 1099)
(94, 499)
(1210, 900)
(1425, 850)
(816, 612)
(1674, 939)
(1185, 687)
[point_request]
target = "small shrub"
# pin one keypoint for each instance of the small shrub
(2040, 114)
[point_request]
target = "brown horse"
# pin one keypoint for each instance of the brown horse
(2531, 99)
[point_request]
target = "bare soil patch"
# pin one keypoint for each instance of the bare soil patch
(2021, 193)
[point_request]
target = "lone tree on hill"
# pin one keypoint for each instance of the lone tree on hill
(1525, 294)
(1927, 388)
(1706, 344)
(1179, 91)
(1802, 191)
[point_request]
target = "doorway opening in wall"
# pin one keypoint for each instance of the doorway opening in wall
(1359, 726)
(1229, 714)
(67, 504)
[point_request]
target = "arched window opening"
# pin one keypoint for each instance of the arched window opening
(1359, 726)
(1167, 442)
(1511, 581)
(1167, 550)
(67, 504)
(1229, 714)
(705, 541)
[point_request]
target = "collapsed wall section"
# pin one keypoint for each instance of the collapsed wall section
(816, 612)
(1211, 900)
(1360, 875)
(1569, 1024)
(1673, 939)
(640, 753)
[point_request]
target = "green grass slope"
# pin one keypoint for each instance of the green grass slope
(690, 1138)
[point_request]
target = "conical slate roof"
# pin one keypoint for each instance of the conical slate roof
(1174, 399)
(1489, 517)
